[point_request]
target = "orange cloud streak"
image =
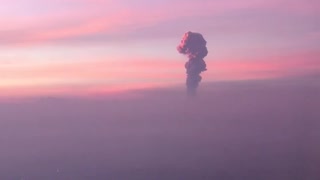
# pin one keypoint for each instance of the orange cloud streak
(100, 75)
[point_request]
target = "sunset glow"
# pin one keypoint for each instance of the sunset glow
(87, 47)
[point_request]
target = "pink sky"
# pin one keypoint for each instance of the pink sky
(82, 46)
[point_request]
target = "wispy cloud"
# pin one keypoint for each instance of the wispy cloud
(87, 18)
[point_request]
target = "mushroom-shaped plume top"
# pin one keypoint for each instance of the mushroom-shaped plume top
(193, 45)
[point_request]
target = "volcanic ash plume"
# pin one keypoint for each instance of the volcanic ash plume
(194, 46)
